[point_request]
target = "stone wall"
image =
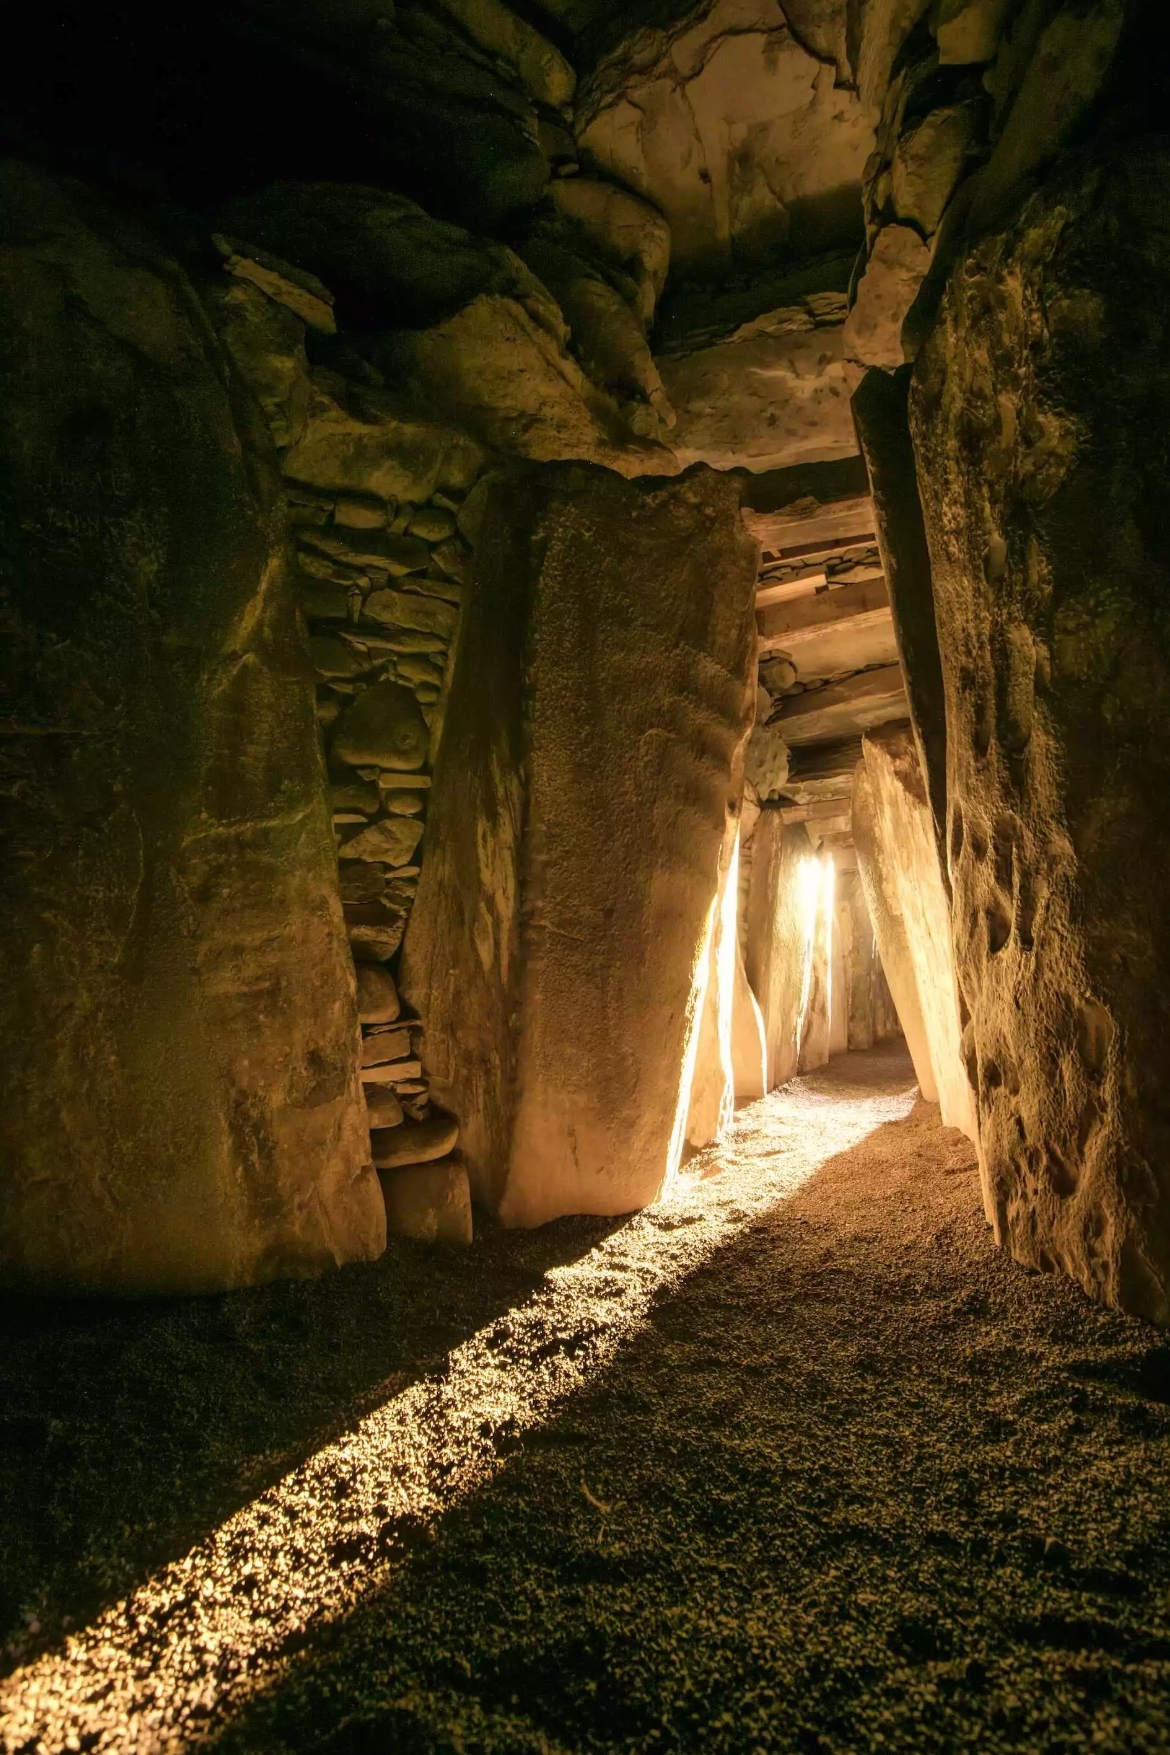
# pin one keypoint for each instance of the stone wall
(181, 1108)
(1040, 407)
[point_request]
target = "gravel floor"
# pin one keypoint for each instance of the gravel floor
(857, 1483)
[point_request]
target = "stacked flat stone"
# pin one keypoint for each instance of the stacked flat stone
(374, 494)
(382, 585)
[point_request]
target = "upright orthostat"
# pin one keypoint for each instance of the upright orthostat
(179, 1099)
(592, 759)
(1040, 407)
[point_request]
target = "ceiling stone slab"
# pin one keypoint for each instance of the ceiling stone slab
(730, 126)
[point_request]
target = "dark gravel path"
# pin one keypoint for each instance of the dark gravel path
(859, 1484)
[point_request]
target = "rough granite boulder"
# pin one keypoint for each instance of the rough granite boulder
(1040, 410)
(180, 1107)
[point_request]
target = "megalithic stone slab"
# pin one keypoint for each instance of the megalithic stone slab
(640, 697)
(1039, 409)
(889, 929)
(777, 939)
(881, 415)
(591, 757)
(179, 1103)
(903, 860)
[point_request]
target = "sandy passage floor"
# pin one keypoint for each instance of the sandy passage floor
(844, 1480)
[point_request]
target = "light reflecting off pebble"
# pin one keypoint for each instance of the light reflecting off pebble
(161, 1670)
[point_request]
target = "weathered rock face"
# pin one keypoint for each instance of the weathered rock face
(903, 863)
(181, 1106)
(389, 263)
(889, 929)
(713, 1076)
(815, 890)
(460, 955)
(733, 129)
(880, 408)
(773, 393)
(579, 817)
(1039, 409)
(861, 967)
(778, 943)
(464, 330)
(749, 1049)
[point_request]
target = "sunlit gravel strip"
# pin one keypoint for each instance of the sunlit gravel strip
(159, 1671)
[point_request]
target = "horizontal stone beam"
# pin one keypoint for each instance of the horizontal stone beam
(828, 761)
(787, 624)
(873, 697)
(817, 810)
(808, 522)
(774, 490)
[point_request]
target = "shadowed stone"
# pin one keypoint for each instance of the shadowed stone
(602, 696)
(429, 1202)
(1039, 413)
(383, 729)
(181, 1110)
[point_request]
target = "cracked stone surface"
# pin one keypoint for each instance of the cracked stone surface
(732, 128)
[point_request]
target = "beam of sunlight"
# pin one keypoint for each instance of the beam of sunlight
(160, 1670)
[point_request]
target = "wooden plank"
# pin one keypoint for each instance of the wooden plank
(874, 697)
(783, 623)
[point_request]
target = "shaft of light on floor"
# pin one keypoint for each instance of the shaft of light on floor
(160, 1670)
